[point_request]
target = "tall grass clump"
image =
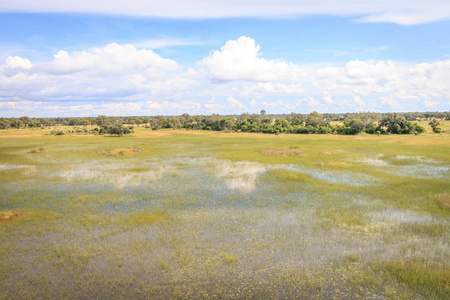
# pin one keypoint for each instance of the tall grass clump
(443, 201)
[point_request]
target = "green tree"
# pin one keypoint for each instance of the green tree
(434, 125)
(118, 129)
(4, 123)
(16, 123)
(418, 129)
(353, 126)
(315, 119)
(396, 124)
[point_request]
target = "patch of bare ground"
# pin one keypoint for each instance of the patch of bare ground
(283, 152)
(121, 152)
(10, 215)
(38, 151)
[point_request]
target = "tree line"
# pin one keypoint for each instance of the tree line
(313, 123)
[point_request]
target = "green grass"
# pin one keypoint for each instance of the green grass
(185, 214)
(432, 282)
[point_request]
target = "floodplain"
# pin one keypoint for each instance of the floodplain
(178, 214)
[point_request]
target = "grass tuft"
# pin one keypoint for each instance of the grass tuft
(121, 152)
(150, 218)
(229, 259)
(283, 152)
(443, 201)
(338, 164)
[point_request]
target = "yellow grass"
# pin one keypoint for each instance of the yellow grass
(282, 152)
(121, 152)
(338, 164)
(443, 200)
(11, 215)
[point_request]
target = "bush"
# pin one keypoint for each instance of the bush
(57, 132)
(418, 129)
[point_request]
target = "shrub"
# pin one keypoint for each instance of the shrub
(57, 132)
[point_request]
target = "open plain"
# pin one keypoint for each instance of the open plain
(192, 214)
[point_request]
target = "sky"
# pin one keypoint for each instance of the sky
(146, 57)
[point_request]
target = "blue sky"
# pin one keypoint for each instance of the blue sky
(144, 58)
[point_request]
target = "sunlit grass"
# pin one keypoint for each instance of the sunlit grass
(209, 215)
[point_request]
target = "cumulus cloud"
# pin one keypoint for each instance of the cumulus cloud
(111, 71)
(111, 59)
(358, 100)
(310, 104)
(139, 81)
(326, 97)
(390, 102)
(401, 12)
(18, 62)
(231, 105)
(234, 103)
(403, 81)
(239, 60)
(429, 103)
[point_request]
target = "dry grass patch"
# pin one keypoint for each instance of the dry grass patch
(150, 218)
(40, 150)
(121, 152)
(338, 164)
(443, 201)
(11, 215)
(283, 152)
(334, 165)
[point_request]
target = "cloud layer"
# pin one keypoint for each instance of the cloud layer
(401, 12)
(123, 80)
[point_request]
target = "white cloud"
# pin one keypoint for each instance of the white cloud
(233, 103)
(114, 71)
(369, 70)
(153, 105)
(263, 89)
(390, 102)
(401, 12)
(18, 62)
(358, 100)
(310, 104)
(112, 58)
(429, 103)
(239, 60)
(139, 81)
(327, 72)
(327, 98)
(403, 81)
(408, 17)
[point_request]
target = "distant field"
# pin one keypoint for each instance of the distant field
(177, 214)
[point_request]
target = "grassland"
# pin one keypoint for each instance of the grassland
(205, 215)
